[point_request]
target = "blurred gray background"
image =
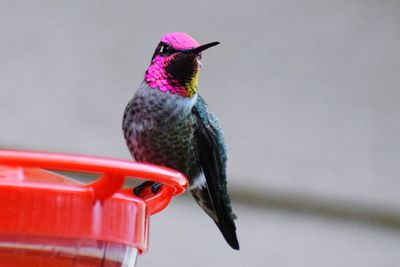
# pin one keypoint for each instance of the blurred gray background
(306, 91)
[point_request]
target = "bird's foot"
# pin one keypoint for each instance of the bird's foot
(155, 187)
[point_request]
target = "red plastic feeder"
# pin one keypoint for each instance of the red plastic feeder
(47, 219)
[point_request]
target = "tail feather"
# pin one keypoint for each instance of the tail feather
(223, 219)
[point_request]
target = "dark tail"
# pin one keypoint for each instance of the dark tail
(222, 215)
(229, 234)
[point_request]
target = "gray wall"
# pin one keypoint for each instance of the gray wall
(307, 93)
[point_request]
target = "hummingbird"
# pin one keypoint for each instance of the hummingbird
(168, 123)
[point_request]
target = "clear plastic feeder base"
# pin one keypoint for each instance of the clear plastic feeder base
(45, 252)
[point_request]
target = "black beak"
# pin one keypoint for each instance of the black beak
(203, 47)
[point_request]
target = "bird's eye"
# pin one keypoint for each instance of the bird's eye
(166, 49)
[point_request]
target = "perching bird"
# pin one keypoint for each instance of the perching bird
(168, 123)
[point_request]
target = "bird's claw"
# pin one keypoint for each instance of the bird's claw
(155, 188)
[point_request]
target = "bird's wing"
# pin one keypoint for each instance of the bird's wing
(211, 153)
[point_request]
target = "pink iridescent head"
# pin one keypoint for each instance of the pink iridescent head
(175, 64)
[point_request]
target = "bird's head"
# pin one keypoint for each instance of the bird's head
(175, 64)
